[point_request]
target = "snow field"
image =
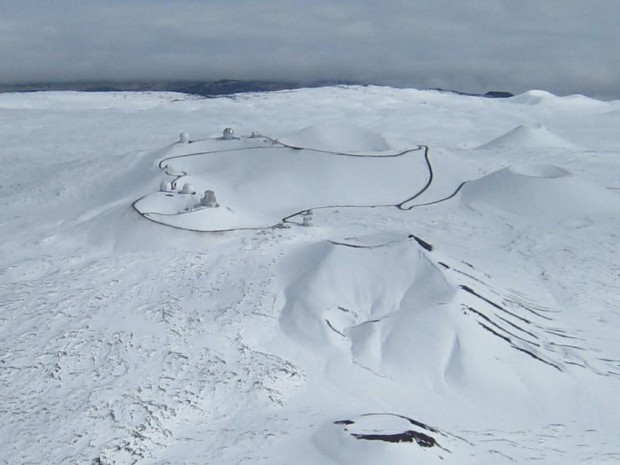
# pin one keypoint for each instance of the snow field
(486, 322)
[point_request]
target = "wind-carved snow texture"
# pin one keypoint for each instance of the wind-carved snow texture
(443, 305)
(157, 370)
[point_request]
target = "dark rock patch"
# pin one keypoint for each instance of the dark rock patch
(425, 245)
(423, 440)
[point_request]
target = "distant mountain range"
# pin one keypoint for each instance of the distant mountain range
(203, 88)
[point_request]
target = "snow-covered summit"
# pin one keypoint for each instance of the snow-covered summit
(337, 137)
(540, 192)
(530, 136)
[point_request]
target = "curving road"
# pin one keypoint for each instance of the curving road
(166, 167)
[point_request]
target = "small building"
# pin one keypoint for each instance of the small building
(208, 199)
(306, 218)
(188, 189)
(229, 134)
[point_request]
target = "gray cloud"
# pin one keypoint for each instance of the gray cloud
(564, 46)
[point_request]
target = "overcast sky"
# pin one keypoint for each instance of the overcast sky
(564, 46)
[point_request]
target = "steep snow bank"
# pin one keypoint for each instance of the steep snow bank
(380, 302)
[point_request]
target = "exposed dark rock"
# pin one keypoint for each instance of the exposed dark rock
(421, 439)
(344, 422)
(498, 94)
(425, 245)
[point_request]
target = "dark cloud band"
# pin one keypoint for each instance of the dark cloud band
(558, 45)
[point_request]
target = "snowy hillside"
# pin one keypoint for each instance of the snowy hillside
(375, 276)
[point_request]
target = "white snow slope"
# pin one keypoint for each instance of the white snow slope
(446, 305)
